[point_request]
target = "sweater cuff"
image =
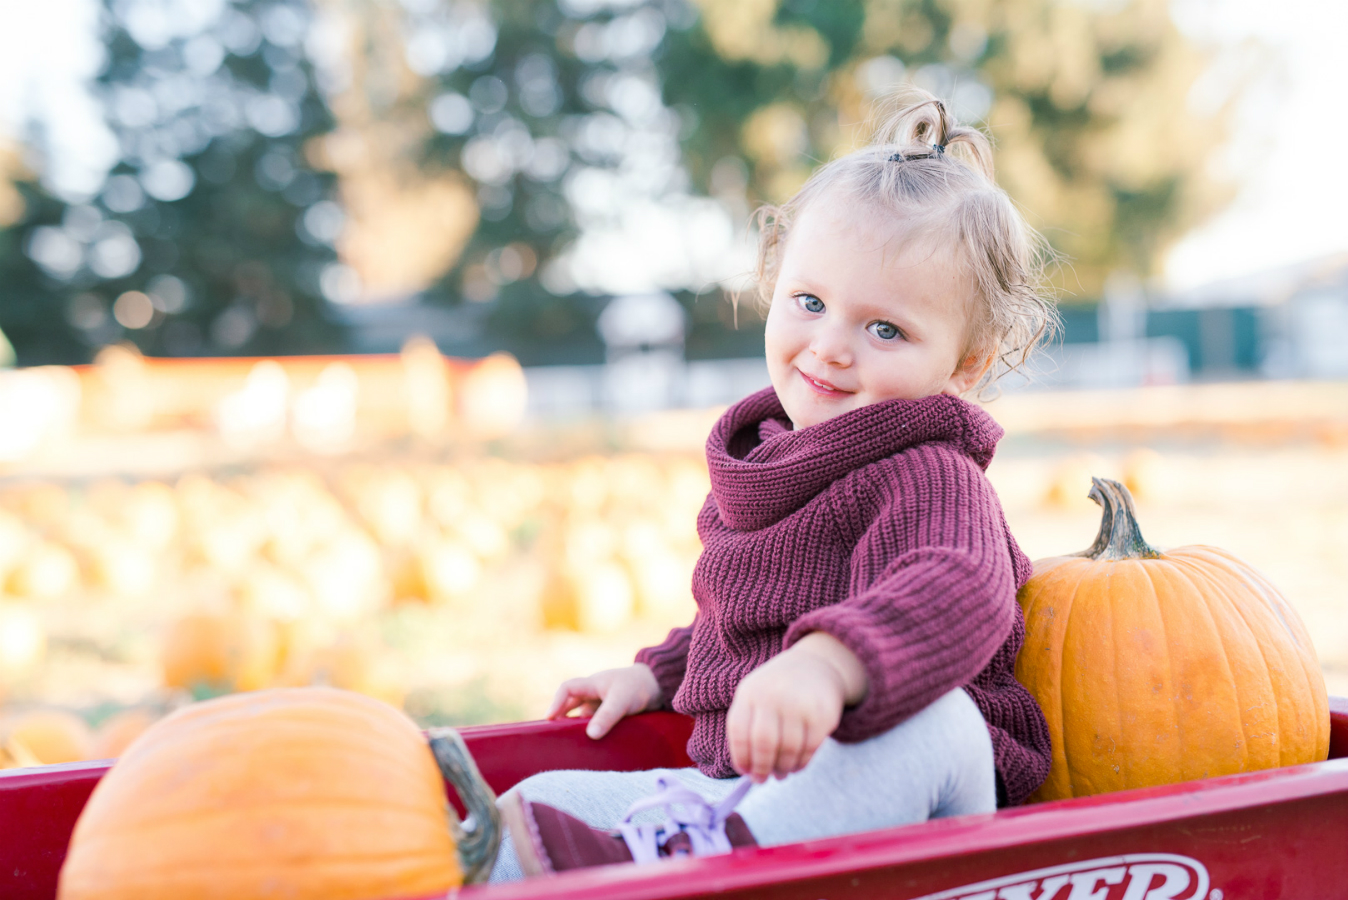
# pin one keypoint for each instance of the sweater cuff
(668, 661)
(878, 711)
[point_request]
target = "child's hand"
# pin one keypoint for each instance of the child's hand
(609, 695)
(784, 709)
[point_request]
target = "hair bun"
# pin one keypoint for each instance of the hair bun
(916, 124)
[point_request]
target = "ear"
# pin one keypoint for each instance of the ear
(969, 372)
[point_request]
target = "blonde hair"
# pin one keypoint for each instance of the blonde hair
(937, 175)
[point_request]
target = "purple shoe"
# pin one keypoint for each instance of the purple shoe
(548, 840)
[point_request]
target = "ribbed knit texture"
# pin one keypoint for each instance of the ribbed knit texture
(878, 527)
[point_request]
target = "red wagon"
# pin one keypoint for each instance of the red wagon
(1280, 833)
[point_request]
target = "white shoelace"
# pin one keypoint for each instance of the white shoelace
(686, 812)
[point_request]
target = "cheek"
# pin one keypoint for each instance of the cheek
(909, 372)
(777, 339)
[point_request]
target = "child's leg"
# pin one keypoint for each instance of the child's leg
(936, 763)
(601, 799)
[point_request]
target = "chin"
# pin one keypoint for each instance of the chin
(803, 415)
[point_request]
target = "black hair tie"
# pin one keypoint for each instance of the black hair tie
(937, 152)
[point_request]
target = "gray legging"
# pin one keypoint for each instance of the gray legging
(936, 763)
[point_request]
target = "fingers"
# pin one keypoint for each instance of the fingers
(815, 733)
(754, 729)
(772, 736)
(754, 732)
(606, 716)
(765, 743)
(562, 703)
(608, 696)
(573, 694)
(794, 734)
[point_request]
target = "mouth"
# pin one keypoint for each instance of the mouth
(823, 388)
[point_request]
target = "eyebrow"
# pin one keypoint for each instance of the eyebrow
(800, 282)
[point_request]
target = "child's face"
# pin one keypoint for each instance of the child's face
(863, 313)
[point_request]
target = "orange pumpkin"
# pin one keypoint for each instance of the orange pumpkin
(50, 735)
(1154, 668)
(303, 793)
(120, 729)
(210, 653)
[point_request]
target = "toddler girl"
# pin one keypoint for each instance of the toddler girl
(857, 626)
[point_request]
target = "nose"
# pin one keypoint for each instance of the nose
(830, 345)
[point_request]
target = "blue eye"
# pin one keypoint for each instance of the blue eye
(810, 303)
(885, 331)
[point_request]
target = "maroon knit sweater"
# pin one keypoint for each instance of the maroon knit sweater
(878, 527)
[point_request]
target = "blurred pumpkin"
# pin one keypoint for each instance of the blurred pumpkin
(484, 536)
(390, 503)
(43, 505)
(124, 567)
(1066, 479)
(604, 596)
(213, 652)
(23, 640)
(50, 735)
(151, 513)
(14, 755)
(1153, 668)
(46, 571)
(1143, 474)
(303, 793)
(14, 542)
(108, 498)
(406, 576)
(448, 569)
(493, 397)
(347, 576)
(274, 593)
(349, 661)
(119, 730)
(355, 664)
(429, 388)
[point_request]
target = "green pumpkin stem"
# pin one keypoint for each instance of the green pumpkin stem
(477, 846)
(1119, 537)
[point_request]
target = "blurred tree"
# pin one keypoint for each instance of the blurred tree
(477, 144)
(552, 109)
(406, 220)
(1088, 104)
(474, 146)
(449, 164)
(211, 233)
(29, 318)
(578, 102)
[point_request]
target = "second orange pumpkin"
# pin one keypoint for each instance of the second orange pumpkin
(1154, 668)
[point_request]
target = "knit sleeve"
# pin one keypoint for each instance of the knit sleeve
(933, 592)
(668, 660)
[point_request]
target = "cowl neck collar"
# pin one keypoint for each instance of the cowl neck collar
(762, 471)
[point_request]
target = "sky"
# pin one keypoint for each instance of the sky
(1285, 154)
(49, 51)
(1290, 141)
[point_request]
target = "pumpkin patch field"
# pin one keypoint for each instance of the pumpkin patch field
(460, 591)
(462, 580)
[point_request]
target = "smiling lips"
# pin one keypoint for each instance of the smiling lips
(823, 388)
